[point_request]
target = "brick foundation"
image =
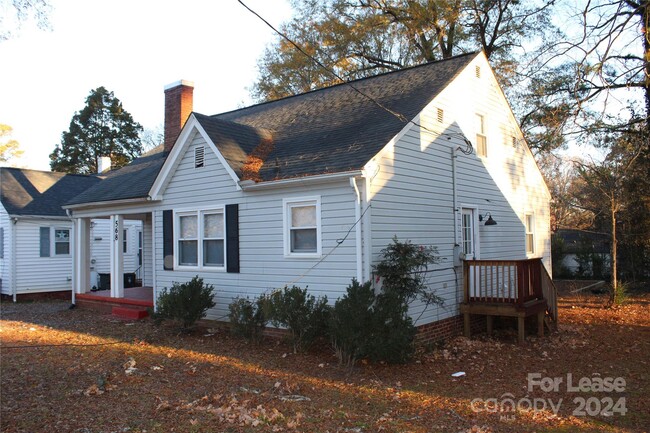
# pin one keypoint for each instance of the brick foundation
(44, 296)
(447, 328)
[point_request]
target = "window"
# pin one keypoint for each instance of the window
(201, 239)
(61, 242)
(302, 227)
(125, 245)
(529, 222)
(2, 242)
(481, 139)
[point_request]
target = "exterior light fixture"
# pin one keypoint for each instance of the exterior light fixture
(490, 221)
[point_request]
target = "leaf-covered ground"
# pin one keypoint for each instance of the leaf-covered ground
(76, 371)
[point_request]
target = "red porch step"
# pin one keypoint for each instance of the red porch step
(130, 313)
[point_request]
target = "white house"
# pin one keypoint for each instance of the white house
(36, 233)
(308, 189)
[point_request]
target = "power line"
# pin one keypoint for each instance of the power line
(396, 114)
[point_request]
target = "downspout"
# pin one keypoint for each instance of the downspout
(357, 233)
(75, 254)
(456, 249)
(12, 260)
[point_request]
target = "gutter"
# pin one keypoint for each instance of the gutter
(107, 203)
(249, 185)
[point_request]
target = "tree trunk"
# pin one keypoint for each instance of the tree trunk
(613, 249)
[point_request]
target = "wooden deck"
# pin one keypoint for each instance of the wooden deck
(510, 288)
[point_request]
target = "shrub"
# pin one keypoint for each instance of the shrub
(186, 303)
(366, 325)
(378, 326)
(350, 322)
(303, 315)
(247, 318)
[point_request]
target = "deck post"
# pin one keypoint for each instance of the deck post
(521, 329)
(540, 323)
(490, 322)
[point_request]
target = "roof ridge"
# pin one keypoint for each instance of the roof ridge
(408, 68)
(49, 172)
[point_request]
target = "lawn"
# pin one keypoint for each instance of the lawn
(75, 371)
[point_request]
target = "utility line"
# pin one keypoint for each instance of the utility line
(396, 114)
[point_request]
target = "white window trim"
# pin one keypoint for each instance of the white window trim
(199, 241)
(531, 252)
(53, 241)
(287, 203)
(483, 133)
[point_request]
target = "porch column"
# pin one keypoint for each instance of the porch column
(81, 255)
(117, 256)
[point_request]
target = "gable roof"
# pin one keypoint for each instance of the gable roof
(129, 182)
(40, 193)
(329, 130)
(334, 129)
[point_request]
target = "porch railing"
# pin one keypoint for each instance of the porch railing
(550, 294)
(503, 281)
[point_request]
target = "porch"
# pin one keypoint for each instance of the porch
(509, 288)
(135, 304)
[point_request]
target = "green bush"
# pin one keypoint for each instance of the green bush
(350, 322)
(247, 318)
(185, 303)
(366, 325)
(303, 315)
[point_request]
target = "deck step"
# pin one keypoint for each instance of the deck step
(130, 313)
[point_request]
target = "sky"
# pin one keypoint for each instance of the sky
(132, 48)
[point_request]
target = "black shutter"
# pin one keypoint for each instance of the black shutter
(45, 242)
(168, 240)
(232, 238)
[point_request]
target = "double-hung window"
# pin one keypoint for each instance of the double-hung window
(61, 242)
(481, 138)
(529, 223)
(302, 231)
(200, 238)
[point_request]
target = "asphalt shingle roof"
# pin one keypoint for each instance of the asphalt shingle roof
(337, 129)
(329, 130)
(131, 181)
(40, 193)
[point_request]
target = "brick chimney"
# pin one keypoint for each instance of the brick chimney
(178, 106)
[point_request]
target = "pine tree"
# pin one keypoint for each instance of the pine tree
(102, 128)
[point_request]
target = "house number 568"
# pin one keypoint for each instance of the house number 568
(117, 231)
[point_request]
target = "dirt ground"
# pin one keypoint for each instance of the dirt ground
(75, 371)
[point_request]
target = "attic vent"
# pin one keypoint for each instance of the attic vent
(199, 157)
(478, 72)
(441, 115)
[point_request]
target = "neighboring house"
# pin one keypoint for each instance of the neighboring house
(36, 233)
(309, 189)
(586, 253)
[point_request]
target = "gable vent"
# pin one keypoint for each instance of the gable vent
(441, 115)
(478, 72)
(199, 157)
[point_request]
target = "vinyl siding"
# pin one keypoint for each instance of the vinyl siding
(5, 261)
(263, 265)
(412, 192)
(100, 247)
(54, 273)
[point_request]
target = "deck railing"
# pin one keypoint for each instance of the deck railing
(503, 281)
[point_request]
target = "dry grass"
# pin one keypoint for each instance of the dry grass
(80, 372)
